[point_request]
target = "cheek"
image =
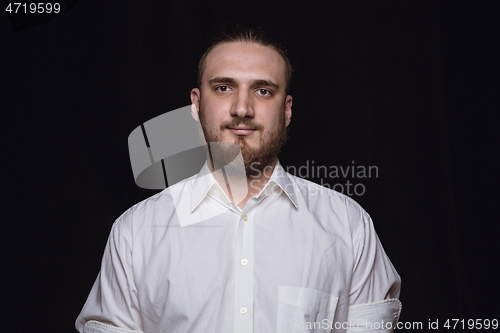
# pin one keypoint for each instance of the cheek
(215, 114)
(272, 123)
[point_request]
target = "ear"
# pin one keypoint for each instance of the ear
(195, 103)
(288, 109)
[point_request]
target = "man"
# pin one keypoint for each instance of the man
(275, 253)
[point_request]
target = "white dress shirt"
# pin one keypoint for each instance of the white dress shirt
(298, 258)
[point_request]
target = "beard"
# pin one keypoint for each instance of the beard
(255, 159)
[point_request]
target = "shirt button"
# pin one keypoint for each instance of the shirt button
(245, 218)
(244, 262)
(243, 310)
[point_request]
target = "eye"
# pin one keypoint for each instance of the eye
(222, 88)
(264, 92)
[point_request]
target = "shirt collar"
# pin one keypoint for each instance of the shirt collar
(205, 182)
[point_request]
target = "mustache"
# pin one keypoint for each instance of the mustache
(241, 121)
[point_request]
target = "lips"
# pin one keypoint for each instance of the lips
(242, 130)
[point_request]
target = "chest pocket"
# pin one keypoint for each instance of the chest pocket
(303, 310)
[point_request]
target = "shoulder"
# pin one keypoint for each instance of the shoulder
(320, 198)
(158, 209)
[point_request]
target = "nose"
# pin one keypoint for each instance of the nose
(243, 106)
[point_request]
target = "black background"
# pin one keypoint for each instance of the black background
(408, 86)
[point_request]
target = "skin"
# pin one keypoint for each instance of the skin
(243, 86)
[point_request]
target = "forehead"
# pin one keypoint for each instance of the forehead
(242, 60)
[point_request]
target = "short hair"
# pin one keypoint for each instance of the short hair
(248, 35)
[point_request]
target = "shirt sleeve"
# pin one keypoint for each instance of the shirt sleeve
(112, 305)
(375, 284)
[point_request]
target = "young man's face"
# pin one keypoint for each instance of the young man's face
(243, 101)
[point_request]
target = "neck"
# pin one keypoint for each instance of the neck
(240, 187)
(257, 182)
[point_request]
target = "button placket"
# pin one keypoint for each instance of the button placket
(243, 279)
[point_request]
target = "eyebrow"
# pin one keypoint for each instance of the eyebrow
(229, 80)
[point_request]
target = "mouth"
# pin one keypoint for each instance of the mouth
(242, 130)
